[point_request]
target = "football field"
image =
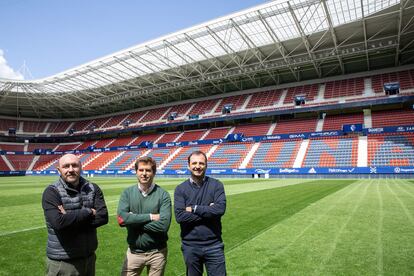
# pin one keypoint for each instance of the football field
(271, 227)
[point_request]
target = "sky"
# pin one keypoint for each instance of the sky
(40, 38)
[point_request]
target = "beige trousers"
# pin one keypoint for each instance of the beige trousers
(135, 263)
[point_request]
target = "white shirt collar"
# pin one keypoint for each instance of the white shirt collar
(145, 194)
(192, 181)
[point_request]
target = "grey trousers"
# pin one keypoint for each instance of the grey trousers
(76, 267)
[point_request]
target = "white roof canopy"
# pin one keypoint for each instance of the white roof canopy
(265, 39)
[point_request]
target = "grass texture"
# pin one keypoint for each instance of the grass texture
(271, 227)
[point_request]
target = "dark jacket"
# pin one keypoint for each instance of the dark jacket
(73, 235)
(202, 227)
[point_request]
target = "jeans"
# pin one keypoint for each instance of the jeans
(212, 257)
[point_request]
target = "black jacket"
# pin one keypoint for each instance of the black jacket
(73, 235)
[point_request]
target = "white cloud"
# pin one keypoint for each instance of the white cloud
(6, 71)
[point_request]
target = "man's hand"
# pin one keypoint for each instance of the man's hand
(93, 212)
(61, 209)
(189, 209)
(155, 217)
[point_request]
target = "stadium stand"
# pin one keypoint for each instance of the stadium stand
(147, 137)
(155, 114)
(383, 150)
(180, 110)
(327, 152)
(264, 99)
(124, 160)
(405, 78)
(114, 121)
(179, 162)
(275, 154)
(134, 118)
(59, 127)
(335, 122)
(253, 129)
(169, 137)
(202, 107)
(20, 162)
(44, 162)
(84, 125)
(237, 102)
(332, 152)
(392, 118)
(3, 165)
(63, 147)
(98, 123)
(295, 125)
(33, 126)
(100, 161)
(5, 124)
(87, 144)
(160, 155)
(352, 89)
(105, 143)
(391, 150)
(344, 88)
(33, 146)
(217, 133)
(12, 147)
(122, 141)
(229, 155)
(191, 135)
(309, 91)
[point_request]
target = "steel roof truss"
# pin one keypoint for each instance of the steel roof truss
(104, 75)
(364, 28)
(161, 58)
(304, 40)
(397, 54)
(212, 59)
(279, 45)
(127, 80)
(180, 52)
(143, 76)
(130, 68)
(335, 41)
(88, 79)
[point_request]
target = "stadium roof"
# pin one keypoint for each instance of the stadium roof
(269, 44)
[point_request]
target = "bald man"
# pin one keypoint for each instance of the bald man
(73, 208)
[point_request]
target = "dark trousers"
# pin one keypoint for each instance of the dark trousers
(212, 257)
(76, 267)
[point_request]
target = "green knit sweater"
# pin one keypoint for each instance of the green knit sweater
(134, 212)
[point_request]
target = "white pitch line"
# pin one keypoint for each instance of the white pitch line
(37, 227)
(20, 231)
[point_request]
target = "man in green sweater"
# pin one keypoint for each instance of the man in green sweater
(145, 210)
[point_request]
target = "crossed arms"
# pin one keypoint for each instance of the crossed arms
(148, 222)
(59, 218)
(189, 213)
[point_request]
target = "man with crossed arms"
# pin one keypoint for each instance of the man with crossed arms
(145, 210)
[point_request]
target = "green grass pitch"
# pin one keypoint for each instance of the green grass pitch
(271, 227)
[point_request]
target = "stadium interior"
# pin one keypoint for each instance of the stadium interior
(301, 88)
